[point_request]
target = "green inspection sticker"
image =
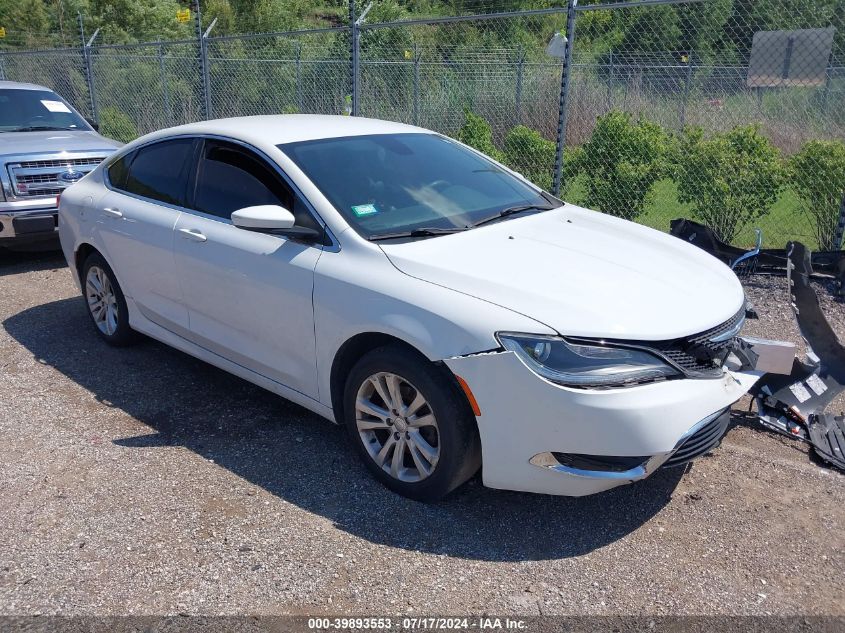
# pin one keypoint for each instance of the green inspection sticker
(364, 209)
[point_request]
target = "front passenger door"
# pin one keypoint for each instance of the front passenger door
(248, 294)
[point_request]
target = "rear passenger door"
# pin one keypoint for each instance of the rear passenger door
(147, 189)
(248, 294)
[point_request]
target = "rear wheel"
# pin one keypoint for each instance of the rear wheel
(410, 424)
(106, 303)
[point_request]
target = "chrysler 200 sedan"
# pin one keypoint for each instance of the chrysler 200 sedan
(452, 315)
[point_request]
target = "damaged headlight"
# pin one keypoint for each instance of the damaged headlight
(585, 365)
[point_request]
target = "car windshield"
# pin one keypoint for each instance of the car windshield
(394, 184)
(33, 110)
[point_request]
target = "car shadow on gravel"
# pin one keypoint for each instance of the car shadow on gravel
(301, 458)
(17, 262)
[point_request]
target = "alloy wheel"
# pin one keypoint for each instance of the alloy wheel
(102, 301)
(397, 427)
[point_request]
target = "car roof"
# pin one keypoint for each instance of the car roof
(22, 86)
(289, 128)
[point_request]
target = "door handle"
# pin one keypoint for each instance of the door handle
(113, 213)
(191, 234)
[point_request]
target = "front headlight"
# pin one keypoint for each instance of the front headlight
(585, 365)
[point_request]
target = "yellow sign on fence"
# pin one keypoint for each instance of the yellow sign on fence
(2, 31)
(183, 15)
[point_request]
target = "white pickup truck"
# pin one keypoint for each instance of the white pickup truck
(45, 146)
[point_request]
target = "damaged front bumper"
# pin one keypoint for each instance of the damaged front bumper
(539, 436)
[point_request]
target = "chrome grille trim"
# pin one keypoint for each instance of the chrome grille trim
(29, 176)
(716, 339)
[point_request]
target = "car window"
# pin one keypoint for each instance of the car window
(386, 183)
(160, 171)
(230, 177)
(119, 170)
(32, 110)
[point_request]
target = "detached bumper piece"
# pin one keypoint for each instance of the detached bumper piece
(827, 435)
(794, 404)
(746, 262)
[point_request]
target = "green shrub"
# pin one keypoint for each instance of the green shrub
(730, 179)
(531, 155)
(117, 125)
(476, 133)
(818, 177)
(621, 162)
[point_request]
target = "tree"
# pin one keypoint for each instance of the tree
(26, 19)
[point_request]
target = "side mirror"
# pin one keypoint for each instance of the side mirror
(93, 124)
(273, 219)
(265, 217)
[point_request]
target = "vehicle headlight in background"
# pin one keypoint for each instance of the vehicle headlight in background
(585, 365)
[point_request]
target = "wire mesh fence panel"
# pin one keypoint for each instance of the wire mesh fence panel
(61, 70)
(725, 113)
(488, 83)
(284, 73)
(145, 87)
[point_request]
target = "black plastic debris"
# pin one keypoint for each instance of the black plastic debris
(827, 435)
(794, 404)
(764, 260)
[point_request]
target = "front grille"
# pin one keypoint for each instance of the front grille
(62, 163)
(702, 441)
(698, 354)
(30, 178)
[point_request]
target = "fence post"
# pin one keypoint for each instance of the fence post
(353, 57)
(683, 113)
(356, 55)
(610, 72)
(828, 77)
(416, 86)
(840, 227)
(202, 41)
(89, 71)
(565, 75)
(520, 68)
(2, 66)
(299, 105)
(164, 89)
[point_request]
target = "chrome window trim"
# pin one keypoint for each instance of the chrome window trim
(12, 159)
(334, 246)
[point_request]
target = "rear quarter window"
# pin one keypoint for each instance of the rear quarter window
(160, 171)
(119, 170)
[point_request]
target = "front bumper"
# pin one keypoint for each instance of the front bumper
(525, 420)
(28, 223)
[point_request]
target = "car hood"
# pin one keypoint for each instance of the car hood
(55, 141)
(581, 273)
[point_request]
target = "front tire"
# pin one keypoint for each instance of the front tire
(105, 302)
(410, 424)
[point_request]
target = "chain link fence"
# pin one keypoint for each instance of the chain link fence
(655, 109)
(60, 69)
(141, 88)
(302, 71)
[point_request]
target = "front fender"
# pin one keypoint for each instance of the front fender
(362, 292)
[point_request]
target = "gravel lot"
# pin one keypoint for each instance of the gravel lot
(142, 481)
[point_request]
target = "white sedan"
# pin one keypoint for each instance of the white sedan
(448, 312)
